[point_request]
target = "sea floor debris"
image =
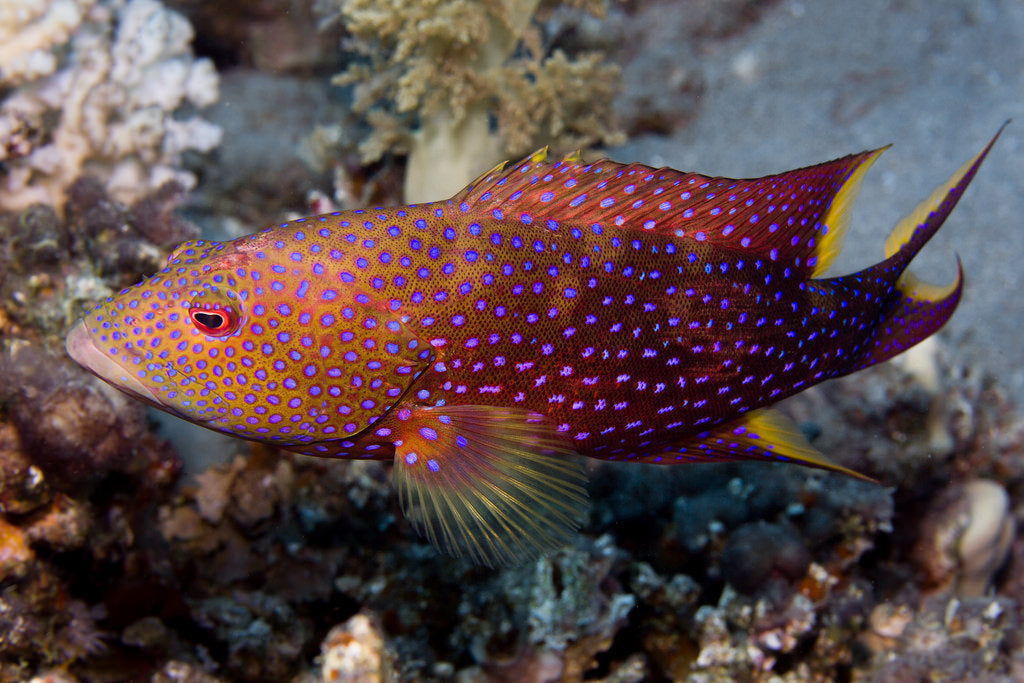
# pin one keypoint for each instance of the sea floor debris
(115, 565)
(276, 566)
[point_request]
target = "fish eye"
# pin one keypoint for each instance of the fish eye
(218, 322)
(216, 313)
(213, 323)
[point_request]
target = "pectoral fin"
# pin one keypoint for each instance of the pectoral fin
(494, 484)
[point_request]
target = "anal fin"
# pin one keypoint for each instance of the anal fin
(765, 435)
(494, 484)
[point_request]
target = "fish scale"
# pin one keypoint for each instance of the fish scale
(552, 308)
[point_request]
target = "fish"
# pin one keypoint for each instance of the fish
(554, 308)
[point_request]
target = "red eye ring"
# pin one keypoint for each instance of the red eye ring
(215, 322)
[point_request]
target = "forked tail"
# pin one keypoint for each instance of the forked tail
(912, 308)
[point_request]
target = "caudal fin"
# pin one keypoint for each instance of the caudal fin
(917, 309)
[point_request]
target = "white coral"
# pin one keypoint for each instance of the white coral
(95, 87)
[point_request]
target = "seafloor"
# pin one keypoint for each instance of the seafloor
(133, 548)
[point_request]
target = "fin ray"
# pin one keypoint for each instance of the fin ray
(490, 483)
(918, 308)
(798, 216)
(765, 435)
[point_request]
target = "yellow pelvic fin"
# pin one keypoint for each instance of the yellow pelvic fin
(494, 484)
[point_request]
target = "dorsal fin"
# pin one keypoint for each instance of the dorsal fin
(797, 217)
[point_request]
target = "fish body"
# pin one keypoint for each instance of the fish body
(551, 308)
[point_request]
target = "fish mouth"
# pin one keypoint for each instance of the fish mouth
(82, 348)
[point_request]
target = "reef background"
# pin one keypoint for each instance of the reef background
(136, 547)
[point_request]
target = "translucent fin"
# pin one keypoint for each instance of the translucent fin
(795, 217)
(494, 484)
(761, 435)
(839, 214)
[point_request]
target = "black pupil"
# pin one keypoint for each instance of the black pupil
(211, 320)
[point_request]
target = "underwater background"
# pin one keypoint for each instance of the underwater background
(134, 546)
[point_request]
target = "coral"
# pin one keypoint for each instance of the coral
(182, 672)
(951, 639)
(79, 429)
(709, 572)
(355, 652)
(98, 88)
(15, 555)
(262, 633)
(433, 73)
(758, 552)
(67, 444)
(30, 34)
(966, 537)
(548, 620)
(23, 487)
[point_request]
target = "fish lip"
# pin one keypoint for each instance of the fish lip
(83, 349)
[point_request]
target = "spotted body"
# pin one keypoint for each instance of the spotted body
(551, 308)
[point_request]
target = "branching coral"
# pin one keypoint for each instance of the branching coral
(93, 87)
(458, 84)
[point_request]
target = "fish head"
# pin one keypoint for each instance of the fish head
(242, 340)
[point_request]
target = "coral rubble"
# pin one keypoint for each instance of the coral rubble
(270, 566)
(98, 87)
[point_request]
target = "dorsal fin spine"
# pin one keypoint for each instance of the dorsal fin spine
(784, 217)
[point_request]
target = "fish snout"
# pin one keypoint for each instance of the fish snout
(83, 349)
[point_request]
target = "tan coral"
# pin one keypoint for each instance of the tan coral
(104, 103)
(30, 30)
(966, 537)
(447, 66)
(356, 652)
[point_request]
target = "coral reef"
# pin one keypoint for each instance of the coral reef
(253, 567)
(432, 75)
(269, 566)
(100, 88)
(78, 462)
